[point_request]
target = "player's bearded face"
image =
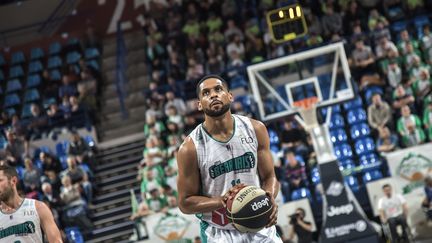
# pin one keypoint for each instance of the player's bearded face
(216, 110)
(6, 192)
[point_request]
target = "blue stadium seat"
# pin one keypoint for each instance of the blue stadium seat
(343, 152)
(94, 64)
(397, 27)
(348, 164)
(13, 85)
(315, 176)
(55, 75)
(48, 102)
(11, 111)
(33, 80)
(364, 146)
(301, 193)
(54, 48)
(38, 164)
(55, 62)
(371, 90)
(338, 136)
(359, 131)
(73, 234)
(356, 116)
(353, 104)
(20, 171)
(2, 60)
(16, 72)
(35, 66)
(369, 165)
(2, 77)
(336, 121)
(90, 141)
(419, 22)
(36, 53)
(91, 53)
(11, 100)
(372, 176)
(352, 183)
(17, 58)
(3, 141)
(26, 111)
(370, 158)
(31, 95)
(274, 138)
(73, 41)
(73, 57)
(246, 101)
(61, 148)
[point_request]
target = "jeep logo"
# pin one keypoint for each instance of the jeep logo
(344, 209)
(258, 205)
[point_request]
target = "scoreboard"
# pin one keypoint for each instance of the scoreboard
(286, 23)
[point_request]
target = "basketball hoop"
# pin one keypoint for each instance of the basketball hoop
(307, 109)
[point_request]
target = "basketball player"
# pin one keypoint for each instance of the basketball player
(21, 218)
(208, 175)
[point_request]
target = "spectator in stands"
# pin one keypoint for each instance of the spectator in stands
(426, 40)
(410, 56)
(153, 125)
(363, 59)
(237, 108)
(153, 150)
(153, 92)
(53, 179)
(49, 163)
(79, 148)
(410, 128)
(178, 103)
(16, 149)
(150, 176)
(171, 176)
(190, 124)
(379, 113)
(232, 30)
(427, 201)
(154, 110)
(394, 73)
(403, 97)
(19, 128)
(427, 120)
(70, 192)
(68, 88)
(31, 177)
(404, 39)
(66, 107)
(4, 119)
(157, 202)
(195, 70)
(174, 117)
(374, 18)
(353, 16)
(300, 227)
(416, 68)
(295, 175)
(79, 176)
(387, 141)
(422, 86)
(293, 138)
(331, 22)
(236, 45)
(51, 196)
(393, 211)
(38, 121)
(154, 51)
(384, 46)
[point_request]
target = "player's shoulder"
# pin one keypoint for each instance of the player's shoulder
(188, 146)
(258, 125)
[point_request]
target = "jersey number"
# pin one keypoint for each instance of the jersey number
(235, 182)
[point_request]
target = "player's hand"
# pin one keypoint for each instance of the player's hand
(273, 215)
(231, 192)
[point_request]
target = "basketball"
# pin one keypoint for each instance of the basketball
(249, 210)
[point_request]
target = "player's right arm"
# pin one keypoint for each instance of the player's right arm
(188, 183)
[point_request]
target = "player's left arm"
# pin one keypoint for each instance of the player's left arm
(266, 171)
(48, 224)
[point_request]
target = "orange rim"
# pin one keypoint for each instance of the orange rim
(306, 103)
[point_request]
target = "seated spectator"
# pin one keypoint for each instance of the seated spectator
(422, 86)
(427, 120)
(293, 138)
(68, 88)
(295, 175)
(426, 40)
(79, 148)
(4, 119)
(157, 202)
(380, 30)
(153, 124)
(153, 92)
(427, 201)
(50, 163)
(403, 97)
(53, 179)
(232, 30)
(384, 46)
(19, 128)
(154, 109)
(76, 106)
(55, 114)
(331, 22)
(410, 128)
(195, 70)
(66, 107)
(404, 39)
(79, 176)
(153, 150)
(387, 142)
(354, 15)
(70, 193)
(393, 211)
(237, 108)
(236, 45)
(410, 56)
(379, 112)
(174, 117)
(178, 103)
(51, 196)
(38, 121)
(394, 74)
(31, 177)
(374, 18)
(16, 149)
(151, 177)
(363, 59)
(143, 210)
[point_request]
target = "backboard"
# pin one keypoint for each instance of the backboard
(322, 72)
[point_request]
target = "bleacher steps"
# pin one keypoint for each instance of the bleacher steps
(118, 185)
(118, 148)
(110, 62)
(122, 131)
(137, 84)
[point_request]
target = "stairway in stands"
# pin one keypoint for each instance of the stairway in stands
(113, 125)
(115, 175)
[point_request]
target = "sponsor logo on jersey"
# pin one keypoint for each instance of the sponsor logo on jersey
(242, 163)
(257, 205)
(23, 229)
(335, 189)
(246, 140)
(345, 229)
(344, 209)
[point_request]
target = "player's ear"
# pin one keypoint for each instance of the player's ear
(199, 105)
(231, 96)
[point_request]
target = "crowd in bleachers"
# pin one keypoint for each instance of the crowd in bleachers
(389, 45)
(46, 93)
